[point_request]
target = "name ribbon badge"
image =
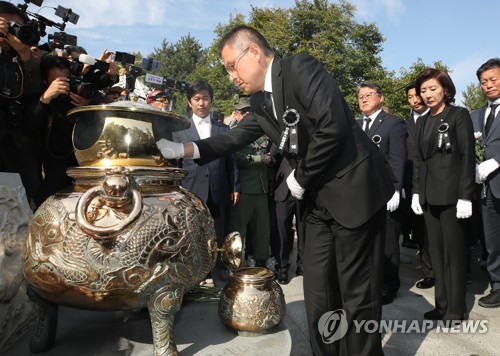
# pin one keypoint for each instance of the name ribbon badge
(291, 118)
(443, 136)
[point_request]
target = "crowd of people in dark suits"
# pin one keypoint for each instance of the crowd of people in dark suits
(360, 181)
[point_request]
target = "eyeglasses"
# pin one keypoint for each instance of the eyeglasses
(231, 66)
(367, 96)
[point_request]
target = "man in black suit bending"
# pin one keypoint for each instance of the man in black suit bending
(297, 104)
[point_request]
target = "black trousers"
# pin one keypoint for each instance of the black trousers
(343, 270)
(448, 255)
(415, 224)
(422, 238)
(391, 280)
(491, 223)
(285, 211)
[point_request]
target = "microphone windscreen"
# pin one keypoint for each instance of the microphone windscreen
(86, 59)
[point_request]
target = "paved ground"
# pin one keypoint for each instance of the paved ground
(198, 330)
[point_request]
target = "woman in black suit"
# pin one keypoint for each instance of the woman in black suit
(443, 188)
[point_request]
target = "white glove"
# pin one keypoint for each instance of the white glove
(487, 167)
(415, 205)
(170, 150)
(478, 179)
(464, 209)
(295, 188)
(393, 204)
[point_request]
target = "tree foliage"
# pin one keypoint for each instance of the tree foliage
(178, 61)
(474, 97)
(350, 51)
(394, 86)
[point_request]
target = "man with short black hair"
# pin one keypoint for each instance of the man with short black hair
(216, 183)
(486, 121)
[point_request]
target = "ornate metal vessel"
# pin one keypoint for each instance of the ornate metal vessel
(126, 236)
(252, 302)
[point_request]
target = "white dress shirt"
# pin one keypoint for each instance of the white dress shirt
(372, 118)
(488, 109)
(417, 115)
(268, 85)
(202, 125)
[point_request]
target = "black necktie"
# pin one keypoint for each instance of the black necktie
(367, 124)
(490, 119)
(268, 102)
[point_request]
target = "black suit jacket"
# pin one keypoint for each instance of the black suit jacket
(220, 177)
(336, 161)
(392, 132)
(491, 145)
(411, 142)
(441, 177)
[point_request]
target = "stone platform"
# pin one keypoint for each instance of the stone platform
(198, 330)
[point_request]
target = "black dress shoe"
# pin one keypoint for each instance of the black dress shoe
(435, 314)
(387, 297)
(492, 300)
(426, 283)
(283, 277)
(299, 271)
(453, 317)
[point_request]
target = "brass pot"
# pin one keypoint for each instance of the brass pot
(126, 235)
(118, 236)
(252, 302)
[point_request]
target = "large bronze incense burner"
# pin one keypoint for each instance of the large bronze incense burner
(125, 236)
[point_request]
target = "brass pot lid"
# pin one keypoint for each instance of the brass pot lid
(132, 110)
(122, 133)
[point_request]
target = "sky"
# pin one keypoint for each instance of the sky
(456, 32)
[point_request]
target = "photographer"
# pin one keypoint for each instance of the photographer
(50, 113)
(102, 77)
(19, 83)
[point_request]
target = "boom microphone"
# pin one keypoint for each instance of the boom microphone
(95, 63)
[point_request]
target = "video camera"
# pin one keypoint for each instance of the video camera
(174, 84)
(124, 58)
(30, 32)
(26, 33)
(78, 86)
(61, 40)
(97, 64)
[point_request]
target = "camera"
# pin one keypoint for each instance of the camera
(150, 64)
(67, 15)
(135, 71)
(94, 63)
(75, 68)
(61, 39)
(124, 58)
(86, 90)
(39, 23)
(27, 33)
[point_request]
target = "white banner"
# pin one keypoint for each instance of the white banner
(155, 79)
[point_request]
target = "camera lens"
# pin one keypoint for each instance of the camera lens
(27, 34)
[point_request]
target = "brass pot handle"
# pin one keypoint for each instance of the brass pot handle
(98, 232)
